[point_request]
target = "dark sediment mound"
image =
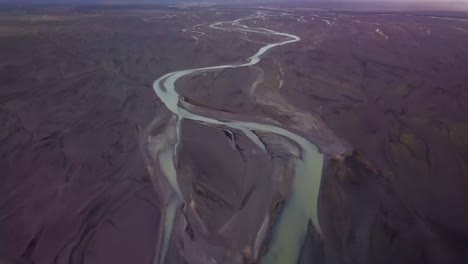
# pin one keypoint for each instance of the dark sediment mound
(365, 220)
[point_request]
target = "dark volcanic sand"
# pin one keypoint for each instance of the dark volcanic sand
(76, 94)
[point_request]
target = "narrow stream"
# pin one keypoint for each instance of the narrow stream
(301, 204)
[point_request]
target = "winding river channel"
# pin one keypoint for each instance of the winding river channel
(301, 204)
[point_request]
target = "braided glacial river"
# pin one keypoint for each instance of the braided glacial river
(300, 208)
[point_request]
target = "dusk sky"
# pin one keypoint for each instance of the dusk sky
(454, 5)
(158, 1)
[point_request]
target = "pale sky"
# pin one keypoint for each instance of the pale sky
(247, 1)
